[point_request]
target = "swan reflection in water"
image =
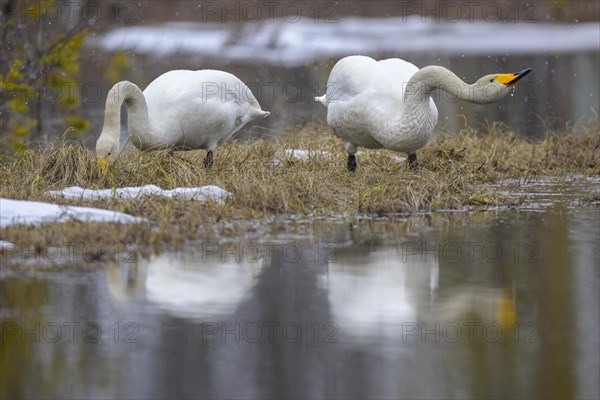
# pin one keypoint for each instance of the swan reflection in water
(185, 285)
(375, 293)
(380, 293)
(370, 291)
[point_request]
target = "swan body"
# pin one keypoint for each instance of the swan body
(387, 104)
(181, 110)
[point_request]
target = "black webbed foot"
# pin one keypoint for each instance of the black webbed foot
(412, 161)
(352, 162)
(208, 161)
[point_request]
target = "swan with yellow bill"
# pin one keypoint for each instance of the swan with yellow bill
(179, 110)
(387, 104)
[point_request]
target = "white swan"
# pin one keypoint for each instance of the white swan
(181, 110)
(387, 104)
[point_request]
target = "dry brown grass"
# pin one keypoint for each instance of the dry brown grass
(454, 171)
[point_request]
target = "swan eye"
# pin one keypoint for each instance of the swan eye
(492, 80)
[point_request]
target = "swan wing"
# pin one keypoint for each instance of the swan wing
(363, 95)
(350, 77)
(199, 109)
(366, 108)
(356, 75)
(399, 69)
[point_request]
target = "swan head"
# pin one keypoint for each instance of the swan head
(493, 87)
(106, 152)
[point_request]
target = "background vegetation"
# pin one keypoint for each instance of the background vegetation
(40, 62)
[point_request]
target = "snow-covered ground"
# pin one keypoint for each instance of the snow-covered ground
(278, 42)
(204, 193)
(17, 212)
(7, 246)
(299, 155)
(306, 155)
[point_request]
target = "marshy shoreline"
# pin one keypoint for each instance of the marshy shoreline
(273, 185)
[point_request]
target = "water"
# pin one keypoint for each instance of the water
(481, 305)
(550, 191)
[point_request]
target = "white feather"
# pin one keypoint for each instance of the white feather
(180, 109)
(387, 104)
(365, 103)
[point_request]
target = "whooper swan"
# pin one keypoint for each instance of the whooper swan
(387, 104)
(179, 110)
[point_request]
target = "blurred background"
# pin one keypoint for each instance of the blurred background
(59, 58)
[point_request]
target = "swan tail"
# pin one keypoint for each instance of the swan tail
(322, 99)
(258, 112)
(263, 114)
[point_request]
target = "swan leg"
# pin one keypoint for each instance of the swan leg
(351, 150)
(208, 161)
(351, 162)
(412, 161)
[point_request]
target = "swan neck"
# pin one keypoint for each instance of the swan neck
(137, 110)
(426, 80)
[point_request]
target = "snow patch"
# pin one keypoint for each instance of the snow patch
(21, 212)
(280, 43)
(7, 246)
(202, 194)
(299, 155)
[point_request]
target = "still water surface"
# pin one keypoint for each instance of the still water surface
(485, 305)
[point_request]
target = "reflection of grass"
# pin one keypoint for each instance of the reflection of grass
(453, 169)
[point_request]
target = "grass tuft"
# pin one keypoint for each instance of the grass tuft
(454, 170)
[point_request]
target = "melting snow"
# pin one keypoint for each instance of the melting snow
(300, 155)
(306, 155)
(7, 246)
(288, 44)
(204, 193)
(17, 212)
